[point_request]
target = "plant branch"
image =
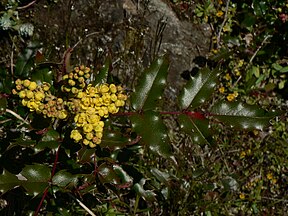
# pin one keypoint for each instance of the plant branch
(223, 23)
(46, 190)
(252, 58)
(26, 6)
(17, 116)
(82, 205)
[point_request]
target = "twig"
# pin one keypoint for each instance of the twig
(26, 6)
(223, 23)
(82, 205)
(17, 116)
(86, 36)
(252, 58)
(46, 190)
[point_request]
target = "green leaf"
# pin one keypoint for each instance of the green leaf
(85, 155)
(198, 129)
(284, 69)
(3, 105)
(41, 75)
(8, 181)
(125, 178)
(243, 116)
(25, 61)
(198, 89)
(107, 174)
(151, 85)
(36, 178)
(49, 140)
(151, 128)
(113, 139)
(145, 194)
(64, 179)
(277, 66)
(102, 76)
(259, 7)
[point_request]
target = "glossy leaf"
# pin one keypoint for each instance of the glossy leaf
(49, 140)
(36, 178)
(64, 179)
(198, 129)
(113, 139)
(41, 75)
(151, 128)
(198, 89)
(107, 174)
(151, 85)
(102, 76)
(145, 194)
(8, 181)
(123, 175)
(239, 115)
(25, 61)
(85, 155)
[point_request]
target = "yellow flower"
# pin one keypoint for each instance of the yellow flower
(22, 94)
(29, 94)
(226, 28)
(76, 135)
(26, 83)
(103, 88)
(219, 14)
(242, 154)
(269, 176)
(227, 77)
(230, 97)
(87, 128)
(235, 93)
(113, 88)
(220, 2)
(39, 96)
(32, 86)
(237, 72)
(242, 196)
(62, 114)
(222, 89)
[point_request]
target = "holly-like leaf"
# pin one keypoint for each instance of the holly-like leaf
(25, 61)
(35, 178)
(151, 85)
(198, 129)
(85, 155)
(64, 179)
(243, 116)
(153, 132)
(8, 181)
(102, 76)
(107, 174)
(49, 140)
(198, 89)
(41, 75)
(113, 139)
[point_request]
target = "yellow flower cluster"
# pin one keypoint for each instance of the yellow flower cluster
(75, 81)
(90, 106)
(232, 96)
(38, 99)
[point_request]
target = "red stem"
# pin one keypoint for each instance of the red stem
(195, 115)
(46, 189)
